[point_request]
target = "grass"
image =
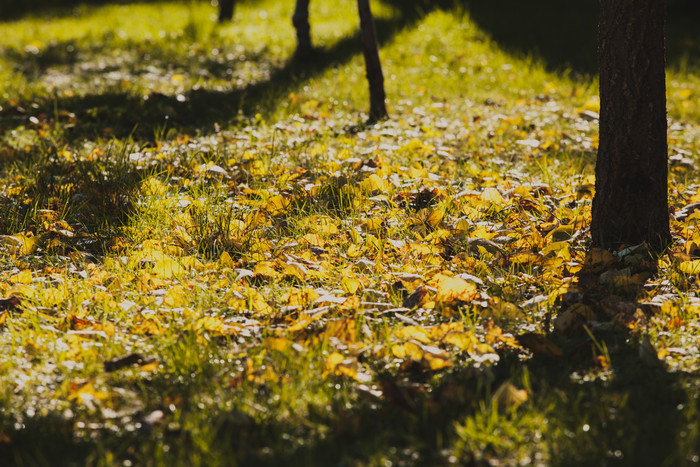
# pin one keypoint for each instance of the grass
(208, 258)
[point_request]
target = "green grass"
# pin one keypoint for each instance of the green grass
(272, 281)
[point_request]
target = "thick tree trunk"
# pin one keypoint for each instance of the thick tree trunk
(373, 67)
(631, 199)
(226, 10)
(300, 20)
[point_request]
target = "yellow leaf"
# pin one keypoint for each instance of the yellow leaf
(434, 218)
(408, 350)
(213, 325)
(326, 226)
(493, 196)
(373, 223)
(451, 289)
(598, 260)
(313, 240)
(375, 183)
(354, 251)
(350, 284)
(425, 250)
(266, 270)
(22, 277)
(190, 262)
(413, 332)
(300, 297)
(592, 104)
(257, 303)
(436, 362)
(525, 259)
(167, 268)
(225, 260)
(690, 267)
(276, 205)
(333, 361)
(462, 340)
(177, 296)
(29, 245)
(560, 249)
(151, 327)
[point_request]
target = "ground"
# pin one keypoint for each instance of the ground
(207, 257)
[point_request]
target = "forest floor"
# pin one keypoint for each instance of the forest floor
(207, 257)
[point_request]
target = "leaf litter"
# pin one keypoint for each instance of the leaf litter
(380, 258)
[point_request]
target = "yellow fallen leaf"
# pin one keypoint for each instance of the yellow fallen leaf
(225, 260)
(375, 183)
(266, 270)
(168, 268)
(409, 349)
(150, 366)
(436, 362)
(493, 196)
(22, 277)
(452, 289)
(350, 284)
(276, 205)
(333, 361)
(413, 332)
(462, 340)
(690, 267)
(434, 218)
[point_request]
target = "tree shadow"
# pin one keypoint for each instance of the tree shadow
(616, 402)
(117, 113)
(563, 34)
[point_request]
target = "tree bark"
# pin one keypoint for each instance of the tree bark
(226, 10)
(373, 66)
(630, 205)
(300, 20)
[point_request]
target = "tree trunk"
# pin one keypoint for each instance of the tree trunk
(300, 20)
(631, 199)
(226, 10)
(373, 67)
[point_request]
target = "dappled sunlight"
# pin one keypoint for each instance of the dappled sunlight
(208, 257)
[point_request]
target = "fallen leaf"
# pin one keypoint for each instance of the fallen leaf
(539, 345)
(453, 289)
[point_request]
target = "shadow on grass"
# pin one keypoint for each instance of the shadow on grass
(563, 34)
(124, 114)
(92, 197)
(635, 413)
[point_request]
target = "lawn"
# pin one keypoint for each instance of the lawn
(208, 257)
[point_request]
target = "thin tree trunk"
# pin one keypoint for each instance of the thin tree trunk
(300, 20)
(631, 200)
(226, 10)
(373, 66)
